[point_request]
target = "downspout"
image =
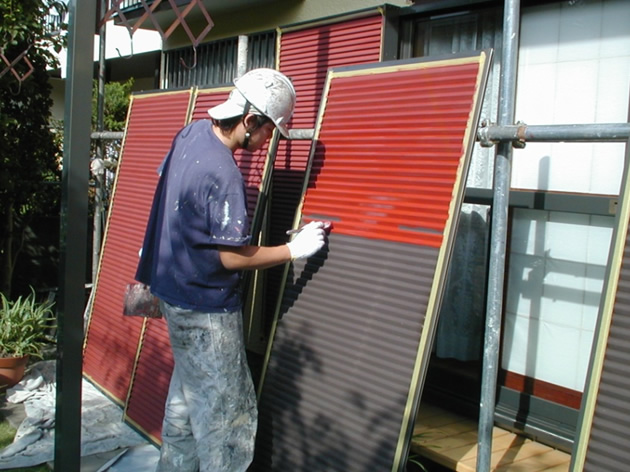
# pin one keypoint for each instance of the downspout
(502, 175)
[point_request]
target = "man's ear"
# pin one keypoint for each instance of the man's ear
(250, 121)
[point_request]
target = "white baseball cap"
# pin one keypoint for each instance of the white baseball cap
(261, 91)
(235, 105)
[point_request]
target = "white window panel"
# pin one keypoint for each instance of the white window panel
(574, 68)
(557, 268)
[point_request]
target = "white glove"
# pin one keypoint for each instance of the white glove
(309, 239)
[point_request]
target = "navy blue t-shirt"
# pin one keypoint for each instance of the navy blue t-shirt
(199, 204)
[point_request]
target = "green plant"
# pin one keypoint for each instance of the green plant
(24, 324)
(415, 459)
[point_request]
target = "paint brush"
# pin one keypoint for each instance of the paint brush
(327, 225)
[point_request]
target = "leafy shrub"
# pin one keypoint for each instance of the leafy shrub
(24, 326)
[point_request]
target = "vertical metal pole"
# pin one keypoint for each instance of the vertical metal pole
(241, 58)
(100, 148)
(74, 233)
(501, 191)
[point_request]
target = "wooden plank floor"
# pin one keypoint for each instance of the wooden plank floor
(451, 441)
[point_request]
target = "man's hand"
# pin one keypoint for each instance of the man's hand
(309, 239)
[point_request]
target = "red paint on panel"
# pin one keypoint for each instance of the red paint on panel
(305, 57)
(390, 164)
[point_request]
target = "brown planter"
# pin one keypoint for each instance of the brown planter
(12, 370)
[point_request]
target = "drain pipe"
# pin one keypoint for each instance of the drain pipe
(501, 193)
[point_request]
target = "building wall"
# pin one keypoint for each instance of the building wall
(271, 15)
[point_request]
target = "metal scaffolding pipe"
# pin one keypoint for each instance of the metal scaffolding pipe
(608, 132)
(493, 134)
(301, 133)
(97, 232)
(501, 194)
(107, 135)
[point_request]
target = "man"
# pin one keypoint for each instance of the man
(195, 247)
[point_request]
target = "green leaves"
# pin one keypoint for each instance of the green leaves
(29, 151)
(24, 324)
(25, 22)
(116, 102)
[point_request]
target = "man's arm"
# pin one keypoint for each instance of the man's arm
(310, 239)
(253, 257)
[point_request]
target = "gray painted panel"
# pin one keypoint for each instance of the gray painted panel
(339, 373)
(608, 443)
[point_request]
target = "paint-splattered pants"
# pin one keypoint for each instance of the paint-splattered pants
(210, 416)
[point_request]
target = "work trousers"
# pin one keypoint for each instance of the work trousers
(210, 416)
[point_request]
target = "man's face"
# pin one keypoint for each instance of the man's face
(260, 136)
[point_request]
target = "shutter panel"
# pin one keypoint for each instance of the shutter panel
(354, 331)
(305, 56)
(112, 339)
(602, 442)
(144, 409)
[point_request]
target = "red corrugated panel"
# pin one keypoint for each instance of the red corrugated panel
(112, 339)
(145, 407)
(391, 160)
(305, 57)
(354, 331)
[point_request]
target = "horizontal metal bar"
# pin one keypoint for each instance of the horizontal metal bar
(306, 133)
(605, 132)
(617, 132)
(107, 135)
(587, 204)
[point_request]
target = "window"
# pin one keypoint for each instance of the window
(215, 63)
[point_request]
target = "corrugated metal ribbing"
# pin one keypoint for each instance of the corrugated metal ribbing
(397, 189)
(305, 56)
(608, 443)
(145, 406)
(354, 330)
(217, 61)
(333, 395)
(112, 339)
(206, 99)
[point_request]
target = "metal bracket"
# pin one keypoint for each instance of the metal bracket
(485, 134)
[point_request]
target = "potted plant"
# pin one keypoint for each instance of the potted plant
(25, 325)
